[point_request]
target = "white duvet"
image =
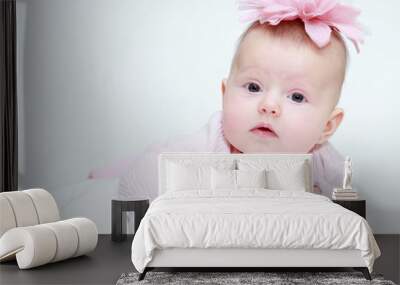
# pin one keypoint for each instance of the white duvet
(251, 218)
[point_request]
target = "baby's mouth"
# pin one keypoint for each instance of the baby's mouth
(264, 130)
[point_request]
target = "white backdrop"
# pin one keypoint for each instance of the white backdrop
(100, 80)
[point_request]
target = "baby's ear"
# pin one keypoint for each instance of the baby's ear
(331, 126)
(223, 86)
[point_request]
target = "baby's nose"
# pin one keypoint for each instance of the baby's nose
(270, 109)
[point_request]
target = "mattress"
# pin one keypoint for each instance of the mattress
(250, 218)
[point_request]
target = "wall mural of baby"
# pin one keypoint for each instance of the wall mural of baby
(280, 95)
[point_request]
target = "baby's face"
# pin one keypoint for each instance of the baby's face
(280, 96)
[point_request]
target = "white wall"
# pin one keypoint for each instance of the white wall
(100, 80)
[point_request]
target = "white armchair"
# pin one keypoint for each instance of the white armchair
(32, 233)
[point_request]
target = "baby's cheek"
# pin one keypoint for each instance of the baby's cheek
(233, 126)
(231, 123)
(232, 115)
(302, 135)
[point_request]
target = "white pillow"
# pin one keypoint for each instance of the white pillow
(228, 179)
(288, 178)
(223, 179)
(282, 174)
(187, 177)
(251, 178)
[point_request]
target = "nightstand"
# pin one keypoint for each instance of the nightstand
(357, 206)
(118, 207)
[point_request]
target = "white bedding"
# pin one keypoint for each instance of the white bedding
(250, 218)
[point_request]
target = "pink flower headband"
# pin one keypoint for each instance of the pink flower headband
(319, 17)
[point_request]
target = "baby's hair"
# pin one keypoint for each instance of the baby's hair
(293, 30)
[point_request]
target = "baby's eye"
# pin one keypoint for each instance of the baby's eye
(253, 87)
(297, 97)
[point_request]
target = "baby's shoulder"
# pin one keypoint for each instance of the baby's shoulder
(326, 150)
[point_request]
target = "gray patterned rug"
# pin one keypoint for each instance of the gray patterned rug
(269, 278)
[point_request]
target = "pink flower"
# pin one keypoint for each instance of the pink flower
(319, 17)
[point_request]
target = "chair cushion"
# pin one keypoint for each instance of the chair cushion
(7, 220)
(27, 208)
(40, 244)
(45, 205)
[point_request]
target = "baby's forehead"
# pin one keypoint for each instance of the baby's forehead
(288, 36)
(263, 49)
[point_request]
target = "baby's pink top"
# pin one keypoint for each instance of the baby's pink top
(139, 174)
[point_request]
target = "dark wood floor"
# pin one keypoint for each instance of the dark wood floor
(389, 262)
(110, 260)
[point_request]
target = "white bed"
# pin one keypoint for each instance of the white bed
(196, 224)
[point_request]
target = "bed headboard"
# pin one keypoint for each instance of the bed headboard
(228, 158)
